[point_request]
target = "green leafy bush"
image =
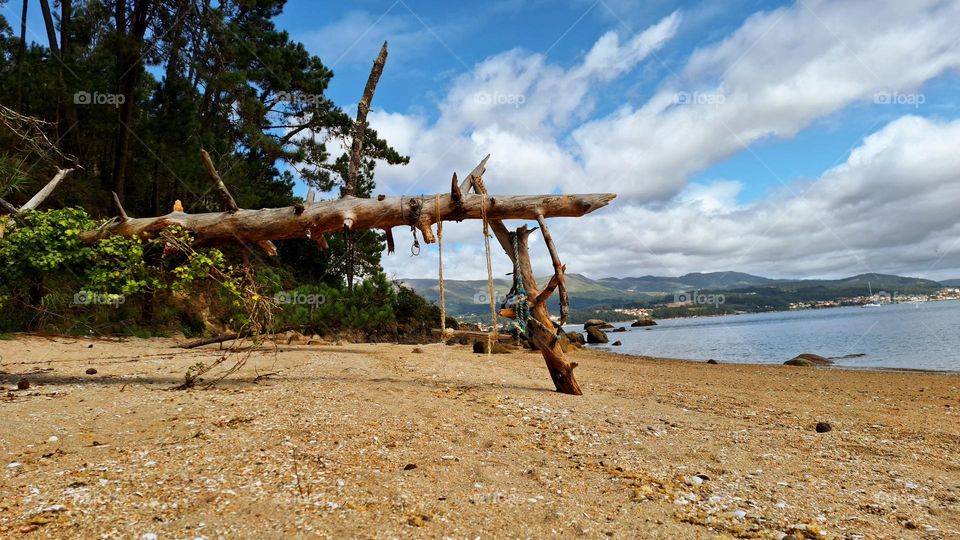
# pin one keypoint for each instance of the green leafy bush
(53, 280)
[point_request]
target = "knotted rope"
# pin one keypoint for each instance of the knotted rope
(518, 293)
(493, 301)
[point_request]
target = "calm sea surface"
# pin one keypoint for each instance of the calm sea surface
(911, 336)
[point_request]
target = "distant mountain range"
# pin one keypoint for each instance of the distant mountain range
(465, 297)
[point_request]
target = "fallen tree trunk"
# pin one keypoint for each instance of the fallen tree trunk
(311, 220)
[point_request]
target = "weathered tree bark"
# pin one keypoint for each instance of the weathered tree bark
(356, 152)
(21, 52)
(69, 123)
(539, 327)
(558, 270)
(312, 220)
(47, 190)
(360, 129)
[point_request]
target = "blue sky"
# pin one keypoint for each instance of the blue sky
(791, 139)
(807, 138)
(433, 42)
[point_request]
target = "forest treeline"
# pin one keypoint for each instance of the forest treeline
(129, 92)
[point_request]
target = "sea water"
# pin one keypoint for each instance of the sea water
(903, 336)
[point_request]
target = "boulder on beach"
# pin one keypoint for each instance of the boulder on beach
(594, 322)
(567, 341)
(808, 360)
(481, 347)
(616, 343)
(596, 335)
(644, 322)
(576, 338)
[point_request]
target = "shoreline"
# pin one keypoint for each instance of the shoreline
(729, 363)
(434, 440)
(788, 310)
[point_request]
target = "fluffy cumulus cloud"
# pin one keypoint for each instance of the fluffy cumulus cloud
(888, 208)
(885, 209)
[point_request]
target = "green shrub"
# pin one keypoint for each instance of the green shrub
(52, 280)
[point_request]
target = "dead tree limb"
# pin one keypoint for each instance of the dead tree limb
(360, 128)
(12, 210)
(477, 172)
(41, 195)
(551, 286)
(214, 176)
(252, 226)
(539, 326)
(558, 270)
(120, 211)
(228, 200)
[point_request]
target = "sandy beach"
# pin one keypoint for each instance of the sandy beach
(379, 441)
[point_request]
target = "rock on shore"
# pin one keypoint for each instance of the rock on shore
(596, 335)
(808, 360)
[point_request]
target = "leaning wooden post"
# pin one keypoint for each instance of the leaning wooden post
(539, 326)
(540, 330)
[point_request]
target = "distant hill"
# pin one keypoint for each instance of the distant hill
(470, 296)
(742, 291)
(950, 282)
(711, 280)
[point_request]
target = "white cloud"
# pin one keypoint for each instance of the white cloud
(889, 208)
(771, 78)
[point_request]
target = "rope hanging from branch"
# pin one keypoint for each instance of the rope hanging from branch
(412, 220)
(517, 297)
(492, 336)
(443, 305)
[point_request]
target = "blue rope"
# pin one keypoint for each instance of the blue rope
(519, 296)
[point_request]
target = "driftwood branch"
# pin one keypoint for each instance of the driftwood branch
(353, 172)
(268, 247)
(120, 211)
(252, 226)
(539, 326)
(477, 172)
(558, 270)
(12, 210)
(225, 196)
(41, 195)
(455, 191)
(554, 282)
